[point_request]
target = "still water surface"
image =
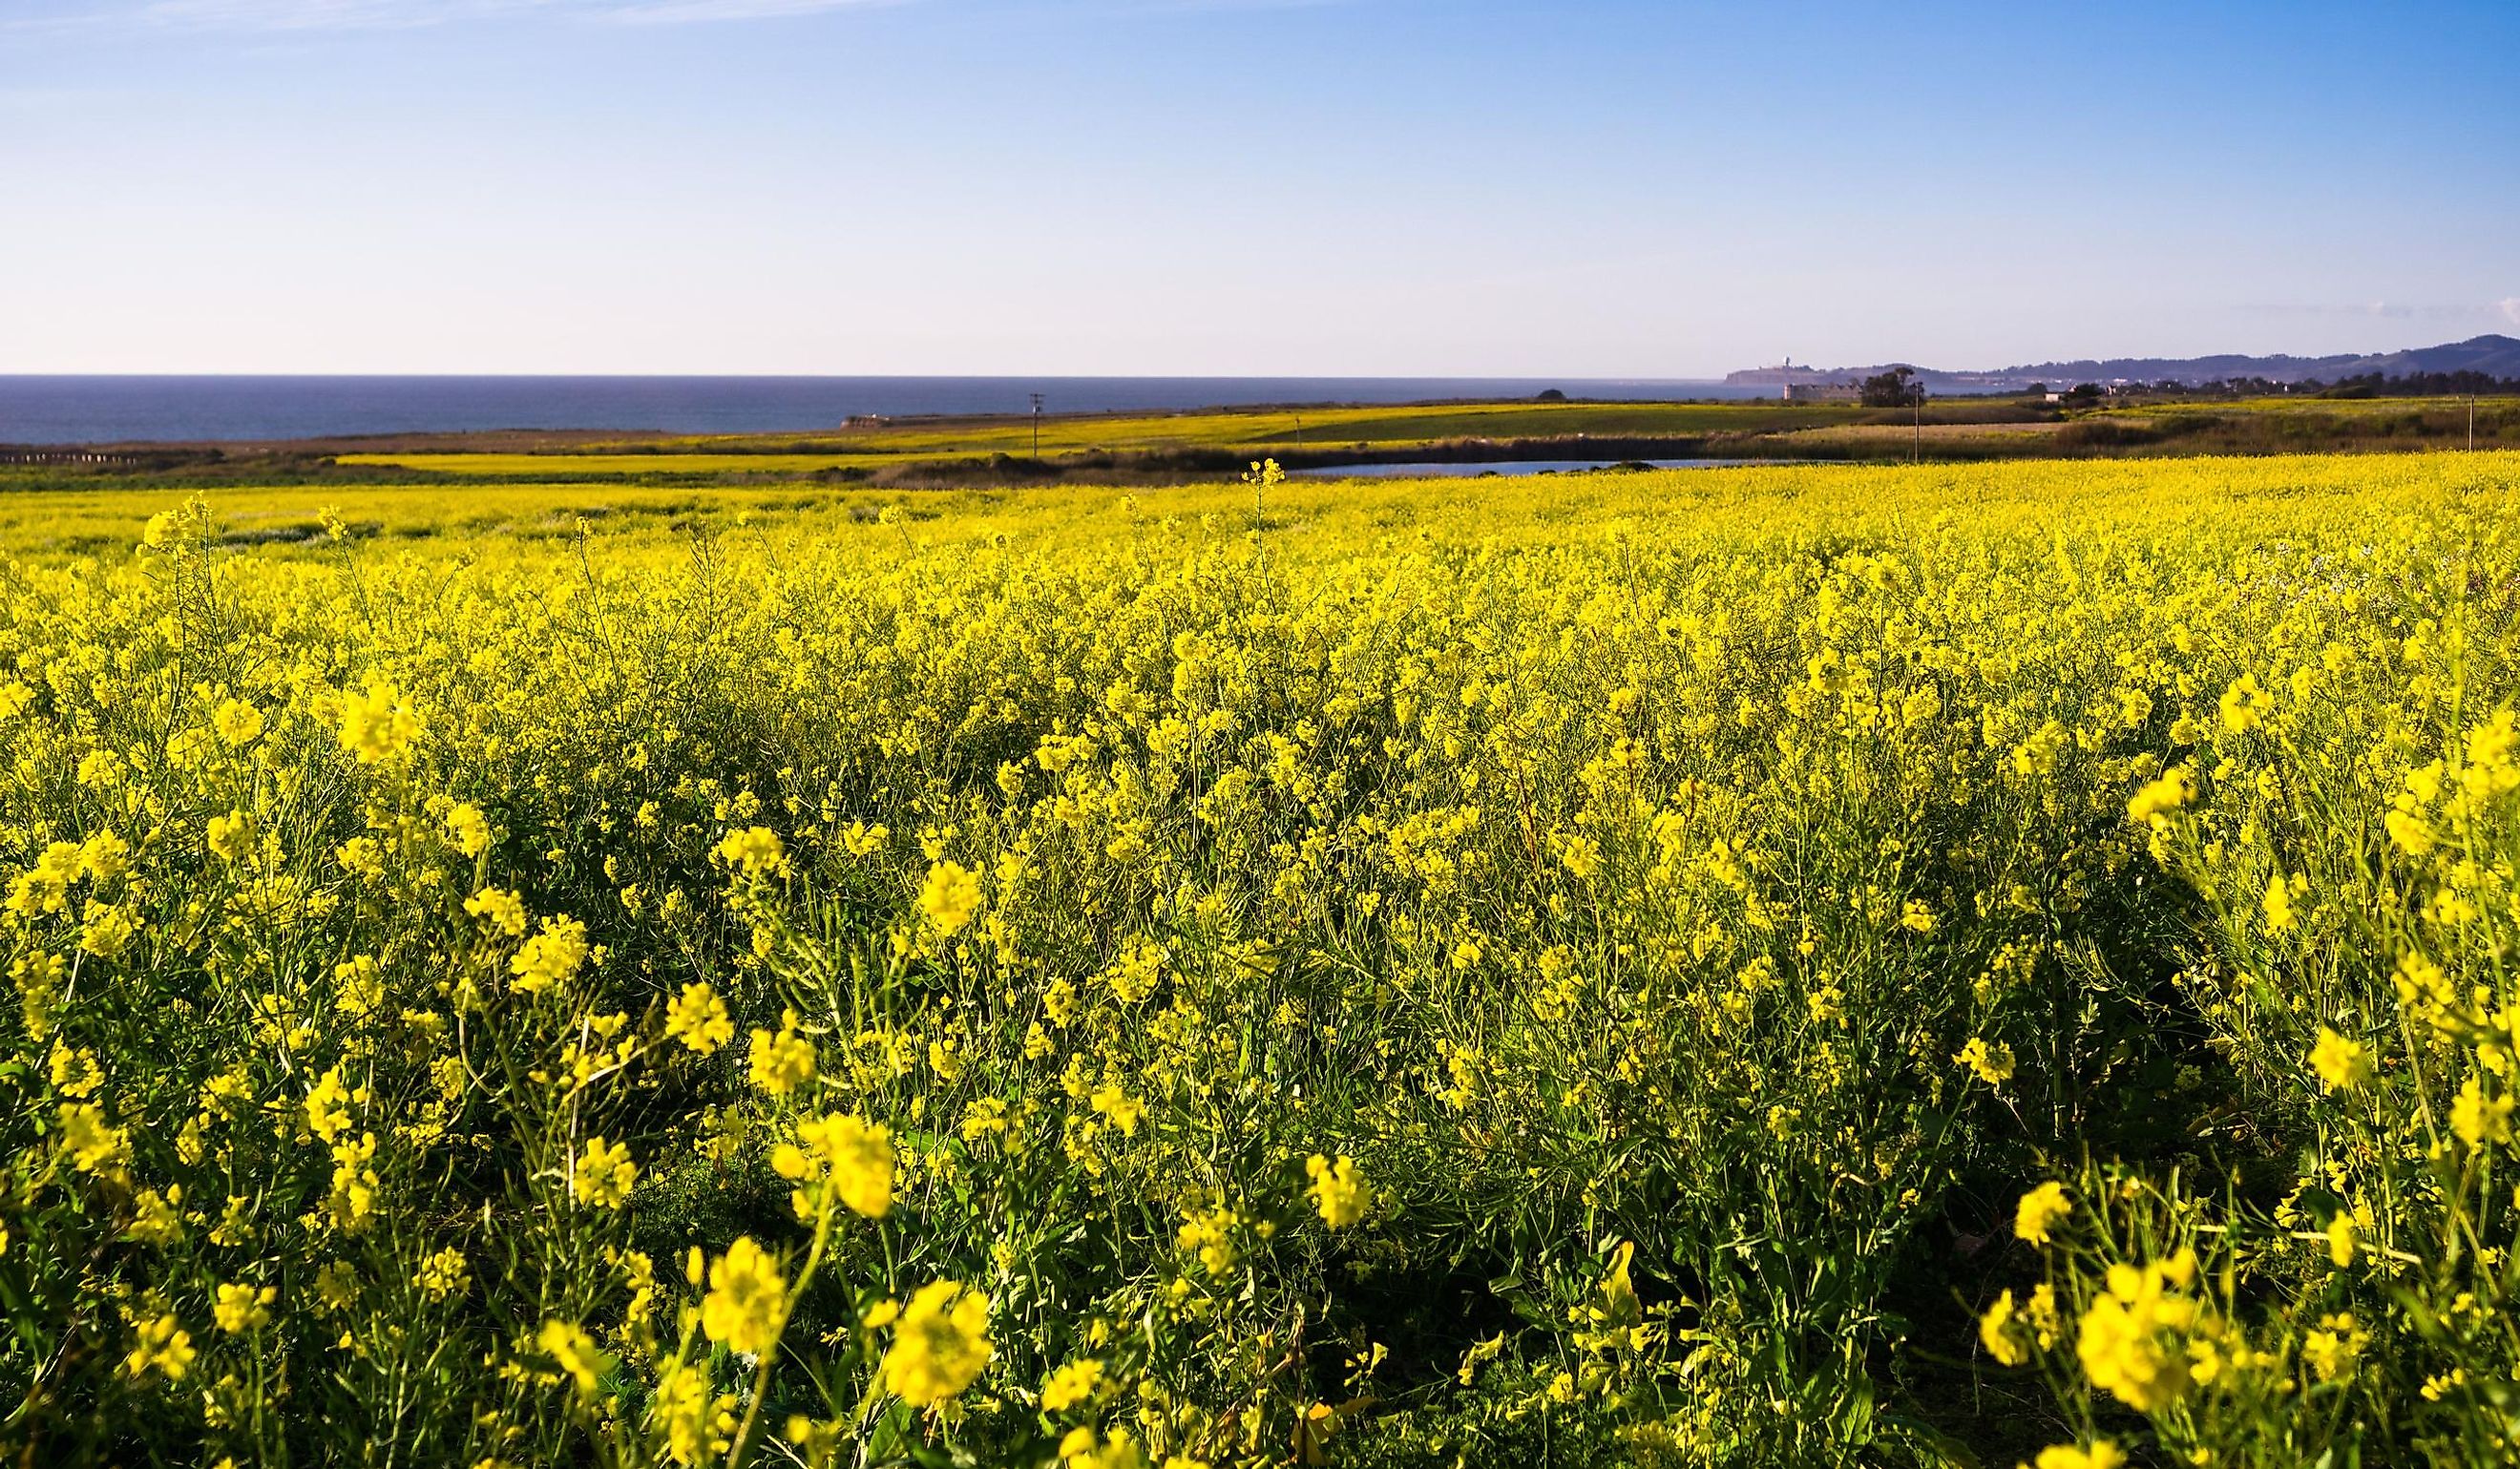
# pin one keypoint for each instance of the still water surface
(1506, 466)
(145, 409)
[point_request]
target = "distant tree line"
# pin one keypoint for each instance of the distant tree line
(2363, 386)
(2418, 385)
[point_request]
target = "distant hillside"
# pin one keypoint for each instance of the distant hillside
(2494, 355)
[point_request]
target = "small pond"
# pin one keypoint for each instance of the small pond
(1466, 470)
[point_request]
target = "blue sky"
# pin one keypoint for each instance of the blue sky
(1452, 187)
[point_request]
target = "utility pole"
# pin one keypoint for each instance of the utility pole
(2471, 422)
(1920, 401)
(1036, 425)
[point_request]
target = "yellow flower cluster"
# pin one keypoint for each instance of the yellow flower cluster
(2040, 1211)
(941, 1342)
(853, 1156)
(603, 1175)
(1338, 1189)
(746, 1305)
(377, 725)
(2137, 1340)
(698, 1019)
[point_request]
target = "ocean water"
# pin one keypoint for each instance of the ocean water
(104, 410)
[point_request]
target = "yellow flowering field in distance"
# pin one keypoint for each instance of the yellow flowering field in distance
(494, 467)
(1802, 965)
(1316, 426)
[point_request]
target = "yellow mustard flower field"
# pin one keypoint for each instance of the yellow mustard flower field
(1784, 967)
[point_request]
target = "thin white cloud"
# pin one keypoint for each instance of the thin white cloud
(60, 99)
(2510, 306)
(269, 17)
(680, 11)
(321, 15)
(1205, 7)
(2431, 311)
